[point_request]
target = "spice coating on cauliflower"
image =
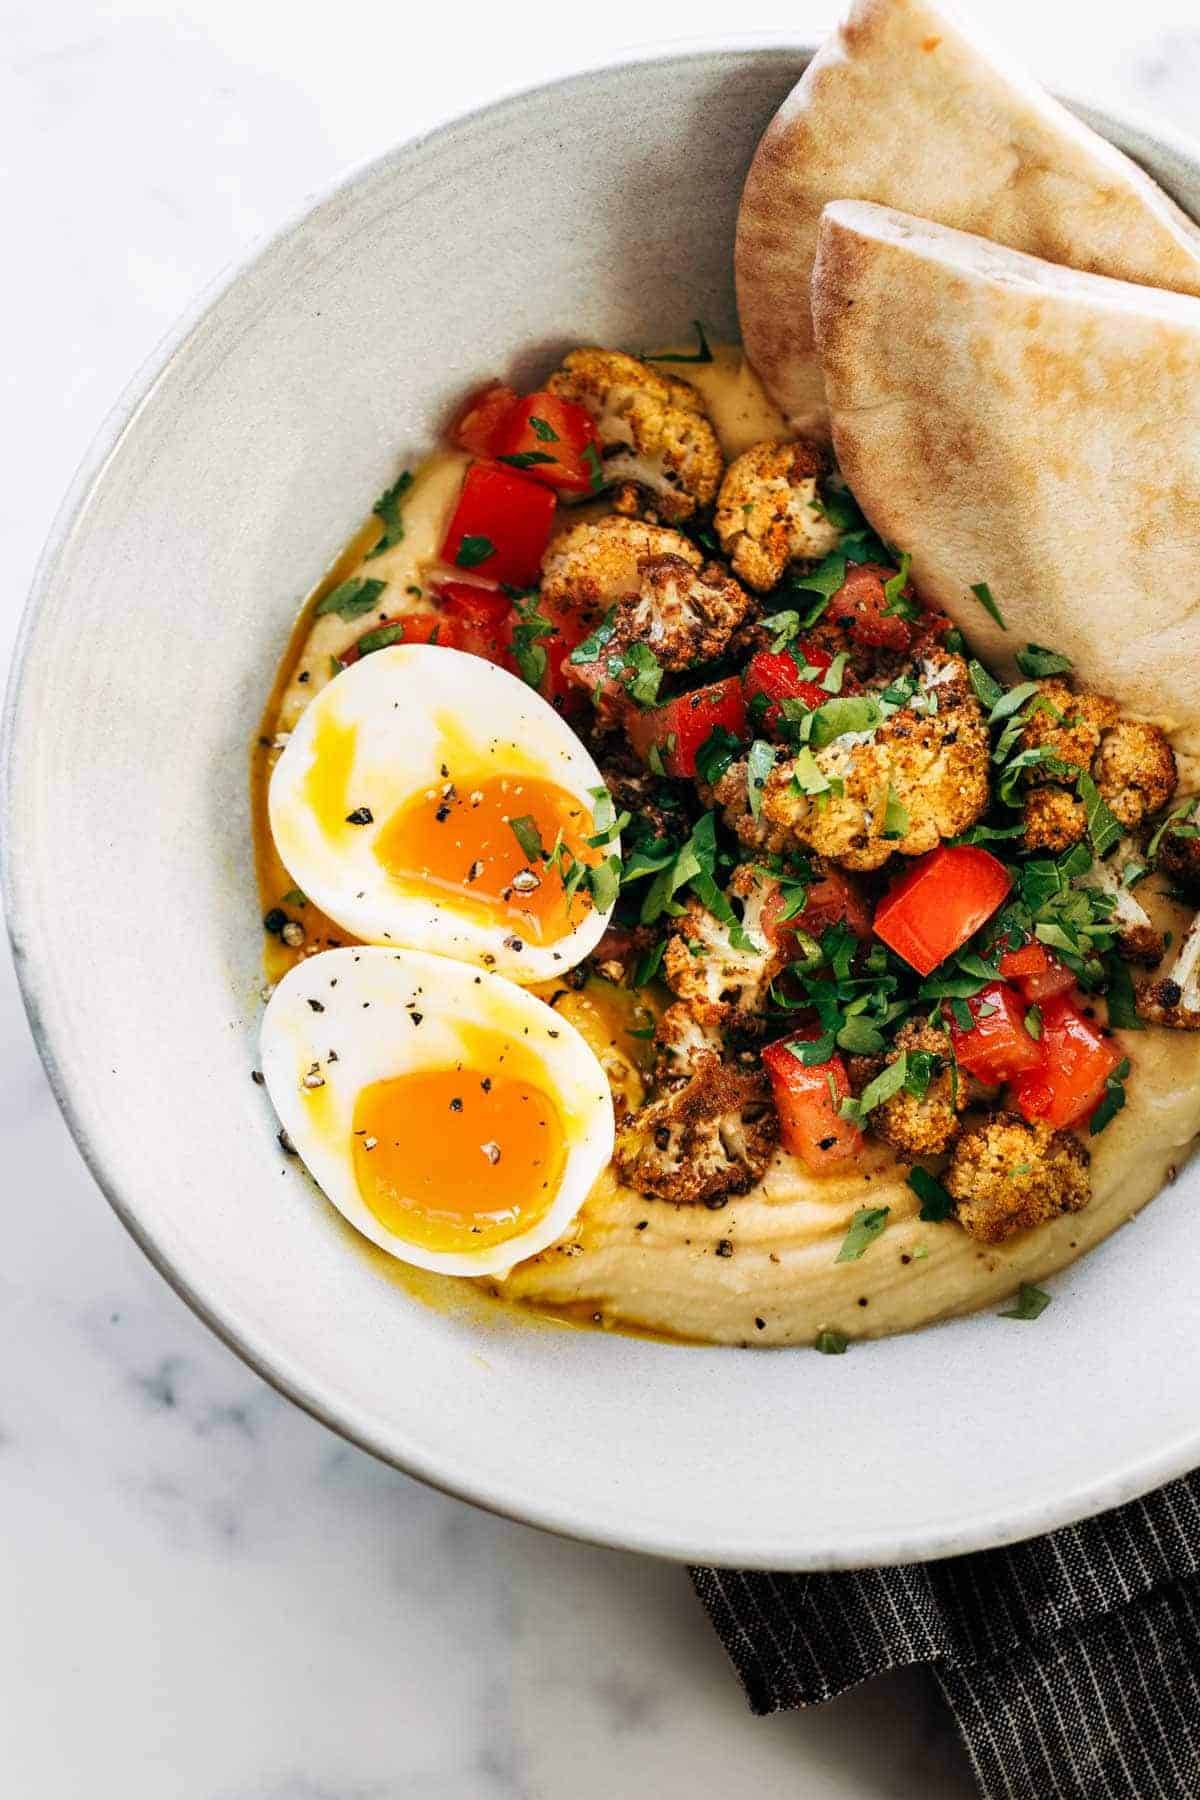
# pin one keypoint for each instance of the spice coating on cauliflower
(926, 1125)
(1131, 762)
(1174, 1000)
(657, 445)
(730, 967)
(1007, 1176)
(768, 512)
(711, 1136)
(593, 565)
(683, 615)
(928, 769)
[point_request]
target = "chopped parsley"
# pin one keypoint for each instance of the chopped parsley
(351, 599)
(865, 1227)
(983, 594)
(525, 830)
(899, 604)
(381, 638)
(702, 353)
(760, 760)
(530, 630)
(830, 1342)
(1031, 1303)
(718, 751)
(1038, 662)
(387, 511)
(526, 459)
(474, 550)
(936, 1204)
(1103, 829)
(1113, 1100)
(895, 817)
(542, 429)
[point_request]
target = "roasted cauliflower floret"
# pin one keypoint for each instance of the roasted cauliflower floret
(1067, 726)
(1131, 763)
(924, 1126)
(1007, 1176)
(726, 966)
(1055, 819)
(656, 443)
(922, 775)
(768, 514)
(710, 1136)
(1179, 855)
(1135, 770)
(1174, 999)
(1138, 938)
(685, 1033)
(683, 615)
(591, 566)
(730, 796)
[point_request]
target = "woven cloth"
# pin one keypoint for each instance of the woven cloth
(1071, 1663)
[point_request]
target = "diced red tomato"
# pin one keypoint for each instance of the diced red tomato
(807, 1101)
(1076, 1061)
(834, 900)
(553, 441)
(943, 899)
(482, 413)
(414, 628)
(998, 1047)
(556, 685)
(481, 619)
(1038, 974)
(777, 675)
(861, 603)
(680, 727)
(501, 525)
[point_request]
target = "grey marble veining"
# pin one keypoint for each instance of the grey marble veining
(203, 1594)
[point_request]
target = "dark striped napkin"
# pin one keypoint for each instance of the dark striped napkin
(1071, 1663)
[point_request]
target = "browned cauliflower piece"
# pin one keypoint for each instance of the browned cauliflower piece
(591, 566)
(926, 1126)
(1138, 938)
(932, 765)
(768, 513)
(730, 796)
(683, 615)
(1179, 856)
(686, 1032)
(1135, 770)
(1068, 725)
(656, 804)
(1007, 1176)
(724, 966)
(656, 442)
(1055, 819)
(705, 1138)
(1131, 762)
(1174, 1000)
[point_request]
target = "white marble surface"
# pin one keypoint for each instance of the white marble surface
(203, 1594)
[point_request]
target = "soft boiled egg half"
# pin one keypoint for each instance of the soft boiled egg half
(430, 799)
(450, 1116)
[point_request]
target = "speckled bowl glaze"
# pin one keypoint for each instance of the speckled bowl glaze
(227, 480)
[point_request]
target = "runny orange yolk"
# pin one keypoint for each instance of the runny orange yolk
(457, 842)
(455, 1160)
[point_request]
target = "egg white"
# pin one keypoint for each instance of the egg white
(365, 1003)
(398, 703)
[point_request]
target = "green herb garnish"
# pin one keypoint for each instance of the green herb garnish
(865, 1227)
(387, 511)
(700, 355)
(352, 598)
(525, 830)
(831, 1343)
(983, 594)
(936, 1203)
(474, 550)
(1036, 661)
(1031, 1303)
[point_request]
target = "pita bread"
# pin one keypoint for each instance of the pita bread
(905, 107)
(1010, 421)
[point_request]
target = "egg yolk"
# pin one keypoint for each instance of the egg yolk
(477, 846)
(456, 1160)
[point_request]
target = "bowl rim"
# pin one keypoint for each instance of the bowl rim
(941, 1538)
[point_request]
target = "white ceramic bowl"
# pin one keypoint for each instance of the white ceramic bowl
(600, 209)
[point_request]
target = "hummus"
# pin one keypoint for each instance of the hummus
(759, 1269)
